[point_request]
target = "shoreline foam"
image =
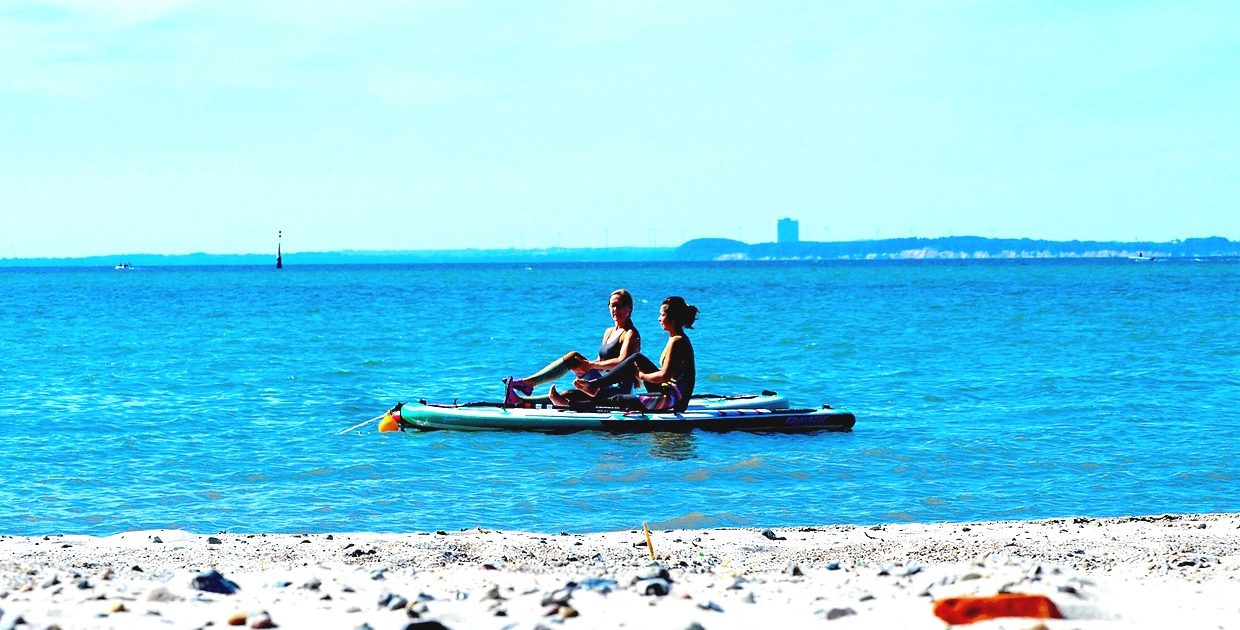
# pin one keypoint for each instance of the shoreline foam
(1169, 571)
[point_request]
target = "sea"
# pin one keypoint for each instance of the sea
(217, 399)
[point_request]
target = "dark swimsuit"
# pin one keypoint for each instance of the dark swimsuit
(610, 350)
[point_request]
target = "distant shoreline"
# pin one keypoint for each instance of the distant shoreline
(944, 248)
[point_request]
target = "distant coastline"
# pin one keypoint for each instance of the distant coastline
(705, 249)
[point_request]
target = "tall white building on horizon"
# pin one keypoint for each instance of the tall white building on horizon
(788, 231)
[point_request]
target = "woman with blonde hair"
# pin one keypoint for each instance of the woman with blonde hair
(620, 342)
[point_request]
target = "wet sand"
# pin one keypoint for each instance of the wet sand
(1180, 571)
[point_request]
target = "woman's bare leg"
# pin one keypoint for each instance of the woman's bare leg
(574, 361)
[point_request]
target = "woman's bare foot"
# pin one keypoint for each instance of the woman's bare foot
(556, 398)
(586, 386)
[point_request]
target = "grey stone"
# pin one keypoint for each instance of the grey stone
(836, 613)
(424, 625)
(557, 597)
(654, 570)
(654, 586)
(160, 594)
(212, 540)
(770, 535)
(262, 620)
(213, 582)
(706, 604)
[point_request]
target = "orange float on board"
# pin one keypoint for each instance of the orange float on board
(959, 610)
(389, 423)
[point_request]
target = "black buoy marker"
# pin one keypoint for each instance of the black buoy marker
(279, 256)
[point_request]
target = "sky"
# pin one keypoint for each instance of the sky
(182, 126)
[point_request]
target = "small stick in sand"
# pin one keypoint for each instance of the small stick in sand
(649, 544)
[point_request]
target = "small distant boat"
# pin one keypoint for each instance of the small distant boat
(1141, 257)
(123, 266)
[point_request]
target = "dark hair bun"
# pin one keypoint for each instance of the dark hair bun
(683, 313)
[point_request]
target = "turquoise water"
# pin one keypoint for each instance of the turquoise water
(210, 398)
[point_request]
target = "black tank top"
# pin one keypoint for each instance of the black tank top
(611, 349)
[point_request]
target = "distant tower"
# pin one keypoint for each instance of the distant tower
(788, 230)
(279, 256)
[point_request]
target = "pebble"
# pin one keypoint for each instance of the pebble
(706, 604)
(654, 570)
(793, 569)
(654, 586)
(312, 584)
(117, 607)
(770, 535)
(600, 584)
(836, 613)
(424, 625)
(214, 582)
(160, 594)
(492, 593)
(262, 620)
(212, 540)
(557, 597)
(238, 618)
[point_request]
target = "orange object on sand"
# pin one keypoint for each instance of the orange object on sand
(959, 610)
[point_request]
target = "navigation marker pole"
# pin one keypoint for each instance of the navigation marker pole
(279, 256)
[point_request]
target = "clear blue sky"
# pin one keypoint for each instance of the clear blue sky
(177, 126)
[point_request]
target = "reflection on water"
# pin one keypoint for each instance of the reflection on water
(674, 446)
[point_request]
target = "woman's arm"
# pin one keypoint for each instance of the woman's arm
(663, 374)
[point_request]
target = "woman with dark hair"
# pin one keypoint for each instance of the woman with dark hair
(619, 343)
(669, 384)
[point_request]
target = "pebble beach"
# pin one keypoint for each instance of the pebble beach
(1174, 570)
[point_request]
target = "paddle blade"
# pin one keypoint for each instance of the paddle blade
(389, 423)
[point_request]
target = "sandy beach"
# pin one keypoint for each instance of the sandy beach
(1164, 571)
